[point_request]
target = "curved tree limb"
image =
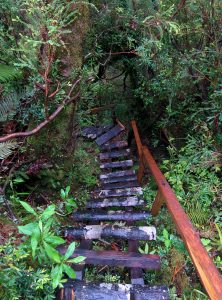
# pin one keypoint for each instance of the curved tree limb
(41, 125)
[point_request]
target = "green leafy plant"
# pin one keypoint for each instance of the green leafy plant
(43, 242)
(146, 250)
(68, 202)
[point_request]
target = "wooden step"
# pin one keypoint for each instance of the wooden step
(118, 174)
(80, 290)
(114, 145)
(107, 202)
(109, 135)
(116, 258)
(114, 154)
(117, 164)
(93, 132)
(103, 129)
(89, 215)
(117, 193)
(119, 185)
(91, 232)
(89, 131)
(118, 179)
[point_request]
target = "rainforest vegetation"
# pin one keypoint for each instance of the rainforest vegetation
(158, 62)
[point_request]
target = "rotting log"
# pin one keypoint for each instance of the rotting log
(143, 233)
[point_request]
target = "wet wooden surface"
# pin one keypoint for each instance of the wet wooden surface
(143, 233)
(117, 258)
(90, 215)
(121, 201)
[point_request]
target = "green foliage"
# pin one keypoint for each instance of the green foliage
(192, 174)
(8, 73)
(43, 242)
(68, 201)
(19, 278)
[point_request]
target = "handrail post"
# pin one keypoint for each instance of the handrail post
(159, 200)
(140, 152)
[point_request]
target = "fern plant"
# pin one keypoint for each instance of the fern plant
(10, 103)
(8, 73)
(6, 148)
(197, 214)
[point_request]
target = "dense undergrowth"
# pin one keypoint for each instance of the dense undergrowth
(158, 62)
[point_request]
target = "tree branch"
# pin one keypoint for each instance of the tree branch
(35, 130)
(179, 7)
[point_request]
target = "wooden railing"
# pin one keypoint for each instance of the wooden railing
(208, 273)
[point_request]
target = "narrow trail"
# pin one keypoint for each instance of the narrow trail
(113, 212)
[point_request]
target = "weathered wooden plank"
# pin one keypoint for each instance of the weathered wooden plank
(89, 131)
(95, 131)
(103, 129)
(119, 185)
(118, 174)
(114, 154)
(116, 258)
(118, 179)
(114, 145)
(107, 202)
(117, 193)
(109, 291)
(117, 164)
(90, 232)
(110, 216)
(109, 135)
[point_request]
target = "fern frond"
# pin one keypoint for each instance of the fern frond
(6, 149)
(197, 214)
(8, 73)
(10, 103)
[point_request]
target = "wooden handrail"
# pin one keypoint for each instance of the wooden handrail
(208, 273)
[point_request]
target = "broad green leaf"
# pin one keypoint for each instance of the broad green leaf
(69, 271)
(34, 244)
(77, 259)
(63, 194)
(54, 240)
(52, 253)
(67, 190)
(27, 229)
(70, 250)
(48, 212)
(28, 208)
(40, 225)
(56, 275)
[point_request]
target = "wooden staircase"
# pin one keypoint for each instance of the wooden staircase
(118, 199)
